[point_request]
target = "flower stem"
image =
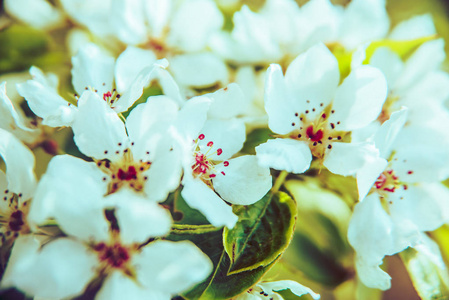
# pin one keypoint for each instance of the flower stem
(279, 181)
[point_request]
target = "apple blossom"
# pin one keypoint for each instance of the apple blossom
(313, 115)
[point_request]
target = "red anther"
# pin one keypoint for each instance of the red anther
(107, 95)
(390, 172)
(212, 175)
(410, 172)
(314, 136)
(100, 246)
(391, 190)
(323, 116)
(130, 174)
(226, 163)
(381, 181)
(223, 173)
(210, 144)
(201, 136)
(219, 151)
(405, 187)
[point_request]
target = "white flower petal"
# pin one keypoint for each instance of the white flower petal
(72, 192)
(147, 126)
(368, 174)
(244, 182)
(285, 154)
(92, 69)
(279, 104)
(296, 288)
(313, 76)
(426, 58)
(432, 87)
(118, 286)
(426, 205)
(97, 129)
(164, 176)
(363, 21)
(139, 219)
(129, 21)
(19, 162)
(199, 196)
(172, 267)
(199, 70)
(372, 275)
(359, 99)
(348, 158)
(192, 24)
(229, 135)
(192, 117)
(12, 121)
(389, 63)
(413, 28)
(158, 15)
(388, 131)
(45, 102)
(61, 269)
(129, 64)
(36, 13)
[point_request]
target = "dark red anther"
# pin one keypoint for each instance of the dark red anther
(226, 163)
(210, 144)
(219, 151)
(201, 136)
(128, 175)
(314, 136)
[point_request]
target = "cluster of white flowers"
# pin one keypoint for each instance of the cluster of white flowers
(339, 90)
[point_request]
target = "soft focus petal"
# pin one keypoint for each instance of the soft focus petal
(413, 28)
(192, 117)
(192, 24)
(199, 196)
(36, 13)
(389, 63)
(244, 182)
(372, 275)
(171, 268)
(363, 21)
(98, 130)
(199, 70)
(359, 99)
(60, 269)
(129, 21)
(19, 162)
(285, 154)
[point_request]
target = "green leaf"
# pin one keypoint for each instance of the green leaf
(219, 285)
(262, 234)
(255, 138)
(430, 281)
(401, 48)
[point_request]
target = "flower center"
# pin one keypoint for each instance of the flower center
(317, 131)
(115, 255)
(203, 166)
(111, 97)
(13, 217)
(125, 172)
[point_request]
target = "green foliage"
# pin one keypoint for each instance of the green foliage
(263, 232)
(255, 138)
(430, 281)
(219, 285)
(261, 235)
(22, 47)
